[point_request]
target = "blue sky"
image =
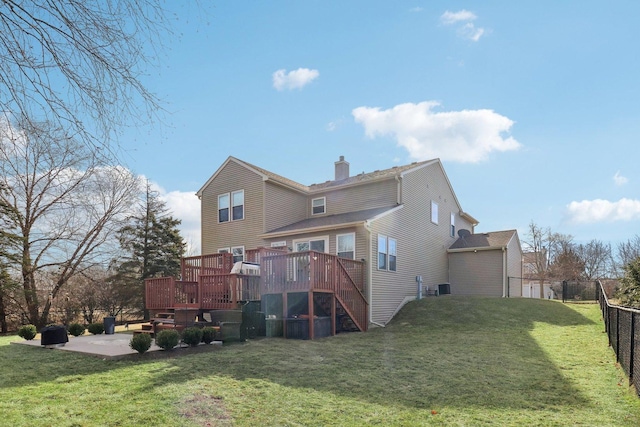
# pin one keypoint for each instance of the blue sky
(532, 105)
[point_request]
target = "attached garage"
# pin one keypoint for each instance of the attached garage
(488, 264)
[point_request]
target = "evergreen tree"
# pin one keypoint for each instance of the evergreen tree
(629, 291)
(152, 246)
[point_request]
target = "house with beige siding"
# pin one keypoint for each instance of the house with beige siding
(488, 264)
(397, 223)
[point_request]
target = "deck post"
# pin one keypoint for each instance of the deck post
(311, 315)
(333, 314)
(285, 314)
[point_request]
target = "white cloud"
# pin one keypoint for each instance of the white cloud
(463, 136)
(598, 210)
(619, 179)
(450, 18)
(295, 79)
(416, 9)
(468, 30)
(185, 206)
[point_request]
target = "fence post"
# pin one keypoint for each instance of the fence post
(633, 343)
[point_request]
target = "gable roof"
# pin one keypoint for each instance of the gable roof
(265, 174)
(483, 241)
(377, 175)
(330, 222)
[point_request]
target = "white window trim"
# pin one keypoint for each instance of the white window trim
(238, 247)
(324, 205)
(232, 205)
(389, 239)
(228, 208)
(226, 250)
(453, 225)
(387, 254)
(434, 212)
(386, 247)
(354, 242)
(309, 240)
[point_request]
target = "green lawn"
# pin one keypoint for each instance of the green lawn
(442, 361)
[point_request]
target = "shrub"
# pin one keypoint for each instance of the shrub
(76, 329)
(140, 343)
(629, 290)
(192, 336)
(28, 332)
(95, 328)
(208, 335)
(167, 339)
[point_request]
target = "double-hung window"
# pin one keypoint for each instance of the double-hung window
(346, 244)
(453, 225)
(318, 206)
(237, 199)
(231, 206)
(387, 253)
(434, 212)
(238, 253)
(223, 208)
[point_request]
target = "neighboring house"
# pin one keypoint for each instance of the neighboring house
(399, 221)
(530, 278)
(486, 264)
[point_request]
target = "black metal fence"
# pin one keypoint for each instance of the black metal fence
(578, 291)
(623, 329)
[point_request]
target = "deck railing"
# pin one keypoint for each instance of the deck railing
(193, 267)
(206, 281)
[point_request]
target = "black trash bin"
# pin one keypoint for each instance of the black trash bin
(109, 325)
(53, 336)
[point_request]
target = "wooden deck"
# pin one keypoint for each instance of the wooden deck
(206, 284)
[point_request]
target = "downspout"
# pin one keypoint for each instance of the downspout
(504, 272)
(367, 226)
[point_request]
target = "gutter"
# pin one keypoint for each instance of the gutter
(367, 226)
(505, 279)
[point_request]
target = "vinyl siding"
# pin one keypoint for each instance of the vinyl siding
(514, 267)
(361, 248)
(351, 199)
(476, 273)
(422, 245)
(283, 206)
(232, 177)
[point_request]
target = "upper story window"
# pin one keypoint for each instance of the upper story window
(237, 198)
(318, 206)
(346, 244)
(434, 212)
(223, 208)
(233, 202)
(453, 225)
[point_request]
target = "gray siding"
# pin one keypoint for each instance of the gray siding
(476, 273)
(514, 267)
(232, 177)
(422, 245)
(351, 199)
(283, 206)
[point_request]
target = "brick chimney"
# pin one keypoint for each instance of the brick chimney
(342, 169)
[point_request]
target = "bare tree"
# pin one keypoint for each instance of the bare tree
(542, 245)
(626, 253)
(68, 205)
(77, 63)
(596, 259)
(566, 264)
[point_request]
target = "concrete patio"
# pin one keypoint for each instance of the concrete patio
(113, 347)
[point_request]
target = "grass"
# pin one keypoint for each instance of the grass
(443, 361)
